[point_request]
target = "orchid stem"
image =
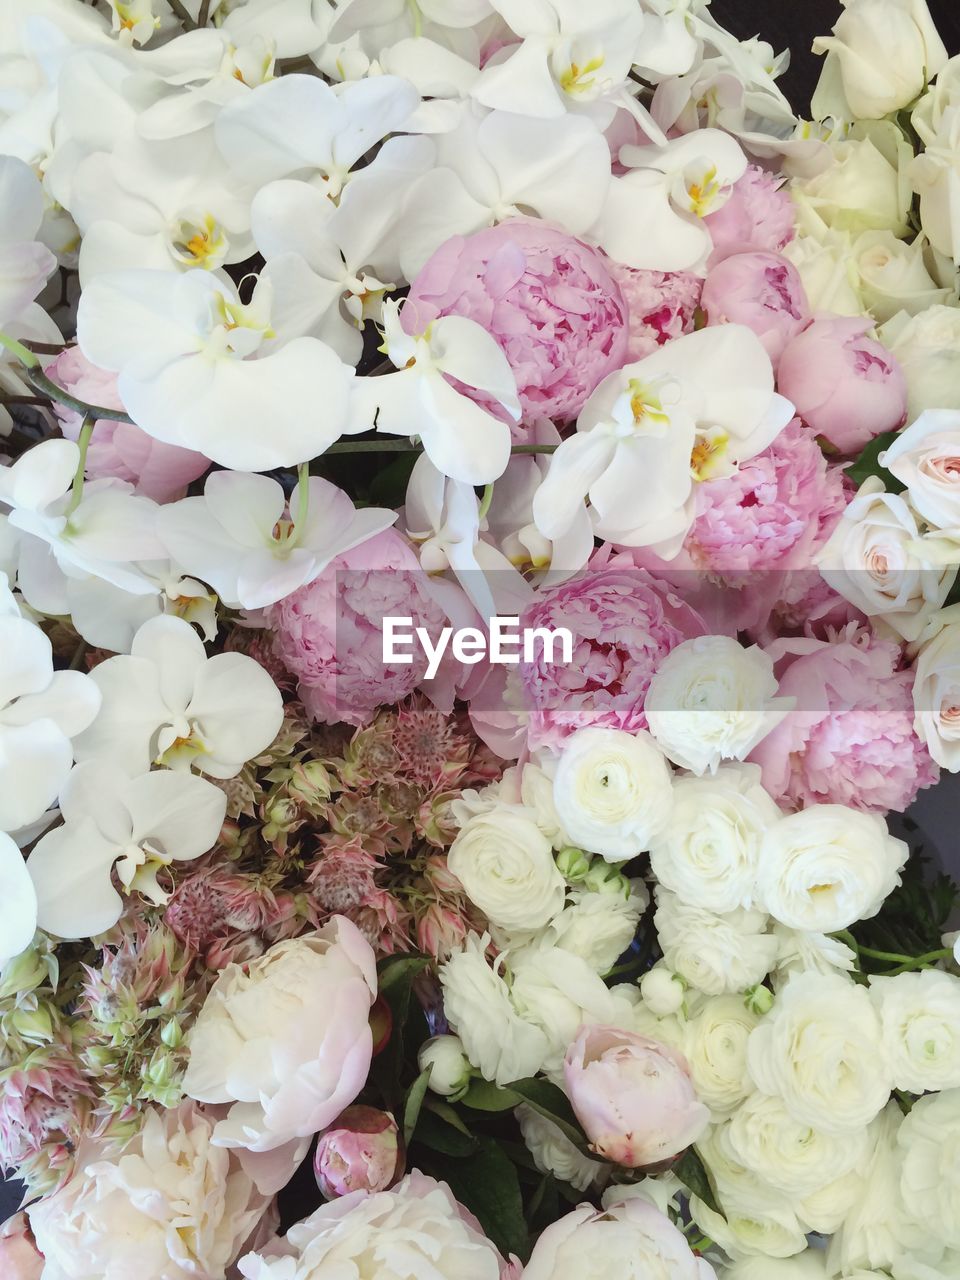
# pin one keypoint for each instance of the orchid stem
(303, 501)
(53, 392)
(23, 354)
(180, 12)
(83, 443)
(485, 501)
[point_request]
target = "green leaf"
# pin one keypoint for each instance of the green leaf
(434, 1133)
(411, 1109)
(868, 465)
(486, 1183)
(447, 1114)
(389, 486)
(552, 1103)
(692, 1172)
(396, 976)
(484, 1096)
(398, 972)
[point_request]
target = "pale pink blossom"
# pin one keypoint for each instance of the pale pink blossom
(661, 305)
(759, 214)
(361, 1151)
(19, 1257)
(762, 291)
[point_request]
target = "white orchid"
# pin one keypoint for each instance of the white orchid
(18, 902)
(690, 411)
(252, 548)
(199, 368)
(25, 264)
(137, 825)
(461, 439)
(41, 710)
(167, 703)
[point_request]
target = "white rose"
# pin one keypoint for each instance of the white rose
(506, 866)
(709, 852)
(882, 52)
(871, 1234)
(819, 1049)
(476, 1000)
(267, 1028)
(936, 688)
(936, 169)
(926, 458)
(598, 927)
(861, 190)
(928, 1140)
(826, 867)
(169, 1203)
(823, 261)
(612, 792)
(873, 559)
(449, 1065)
(920, 1021)
(715, 1045)
(716, 954)
(809, 1265)
(554, 1153)
(928, 349)
(893, 276)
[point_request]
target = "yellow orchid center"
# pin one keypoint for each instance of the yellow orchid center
(707, 459)
(577, 79)
(646, 406)
(200, 244)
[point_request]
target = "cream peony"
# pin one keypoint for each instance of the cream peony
(170, 1203)
(820, 1051)
(285, 1039)
(612, 792)
(936, 688)
(920, 1021)
(928, 1141)
(554, 1153)
(716, 954)
(715, 1045)
(713, 700)
(826, 867)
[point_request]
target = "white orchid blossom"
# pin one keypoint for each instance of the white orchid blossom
(18, 902)
(25, 264)
(252, 548)
(690, 411)
(41, 710)
(166, 703)
(199, 368)
(110, 820)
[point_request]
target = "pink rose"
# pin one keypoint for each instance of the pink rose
(633, 1096)
(850, 739)
(661, 305)
(361, 1151)
(762, 291)
(119, 449)
(548, 299)
(758, 215)
(844, 385)
(19, 1257)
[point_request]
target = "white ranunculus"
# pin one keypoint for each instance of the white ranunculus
(875, 560)
(927, 347)
(925, 1264)
(169, 1203)
(709, 852)
(712, 700)
(928, 1141)
(936, 688)
(824, 1210)
(507, 868)
(893, 276)
(872, 1232)
(826, 867)
(862, 189)
(554, 1153)
(809, 1265)
(285, 1039)
(612, 792)
(820, 1050)
(920, 1021)
(800, 950)
(926, 458)
(715, 1045)
(717, 954)
(598, 927)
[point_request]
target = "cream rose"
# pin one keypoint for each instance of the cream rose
(826, 867)
(716, 954)
(507, 868)
(936, 688)
(712, 700)
(893, 276)
(612, 792)
(936, 169)
(926, 458)
(920, 1021)
(862, 189)
(928, 349)
(715, 1045)
(820, 1051)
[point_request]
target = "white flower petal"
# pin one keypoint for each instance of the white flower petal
(35, 760)
(70, 870)
(180, 812)
(18, 902)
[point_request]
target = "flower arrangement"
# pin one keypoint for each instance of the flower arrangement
(600, 955)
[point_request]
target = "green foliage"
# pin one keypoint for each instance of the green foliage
(868, 465)
(914, 917)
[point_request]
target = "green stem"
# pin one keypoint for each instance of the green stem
(179, 10)
(485, 501)
(50, 389)
(894, 957)
(921, 962)
(83, 443)
(23, 354)
(303, 503)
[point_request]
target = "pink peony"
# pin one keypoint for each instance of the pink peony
(850, 739)
(762, 291)
(661, 305)
(329, 634)
(633, 1096)
(361, 1151)
(19, 1258)
(758, 215)
(550, 301)
(847, 387)
(623, 622)
(118, 449)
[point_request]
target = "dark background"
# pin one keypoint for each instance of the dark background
(793, 24)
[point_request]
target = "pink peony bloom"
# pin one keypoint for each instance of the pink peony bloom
(762, 291)
(19, 1257)
(329, 634)
(661, 305)
(361, 1151)
(850, 739)
(118, 449)
(847, 387)
(758, 215)
(633, 1096)
(624, 622)
(550, 301)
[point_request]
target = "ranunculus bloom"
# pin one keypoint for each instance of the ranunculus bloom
(119, 449)
(761, 290)
(850, 739)
(361, 1151)
(19, 1259)
(758, 215)
(329, 634)
(286, 1039)
(549, 300)
(623, 623)
(633, 1096)
(661, 305)
(846, 386)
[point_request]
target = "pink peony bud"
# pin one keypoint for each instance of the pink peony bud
(844, 385)
(19, 1256)
(634, 1097)
(361, 1151)
(762, 291)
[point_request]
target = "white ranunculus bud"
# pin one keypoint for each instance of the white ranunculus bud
(662, 991)
(920, 1019)
(612, 792)
(450, 1068)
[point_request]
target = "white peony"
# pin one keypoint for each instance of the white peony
(554, 1153)
(928, 1141)
(819, 1049)
(716, 954)
(715, 1045)
(920, 1021)
(826, 867)
(709, 852)
(936, 688)
(612, 792)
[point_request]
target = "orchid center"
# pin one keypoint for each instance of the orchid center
(202, 243)
(180, 744)
(698, 189)
(708, 458)
(239, 328)
(137, 869)
(578, 79)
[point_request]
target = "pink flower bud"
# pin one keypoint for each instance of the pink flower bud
(19, 1256)
(381, 1024)
(634, 1097)
(762, 291)
(440, 931)
(361, 1151)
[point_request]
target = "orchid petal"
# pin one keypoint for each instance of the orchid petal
(70, 870)
(239, 710)
(576, 465)
(71, 700)
(27, 665)
(35, 761)
(18, 902)
(181, 813)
